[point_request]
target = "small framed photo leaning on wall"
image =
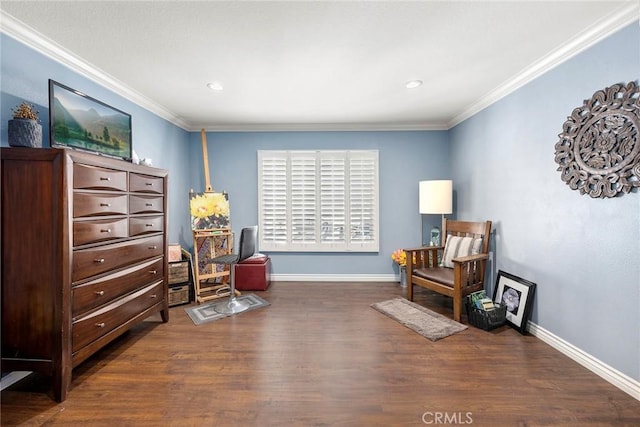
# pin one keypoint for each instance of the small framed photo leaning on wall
(517, 294)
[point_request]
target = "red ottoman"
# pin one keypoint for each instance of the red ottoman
(252, 274)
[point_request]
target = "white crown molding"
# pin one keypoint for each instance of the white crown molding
(608, 25)
(25, 34)
(320, 127)
(611, 375)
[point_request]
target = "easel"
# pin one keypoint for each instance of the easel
(208, 242)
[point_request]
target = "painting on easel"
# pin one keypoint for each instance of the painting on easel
(209, 211)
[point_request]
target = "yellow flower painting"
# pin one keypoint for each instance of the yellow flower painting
(209, 211)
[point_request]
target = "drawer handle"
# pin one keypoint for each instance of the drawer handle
(153, 247)
(105, 230)
(153, 296)
(153, 272)
(148, 225)
(106, 205)
(102, 178)
(148, 184)
(98, 260)
(148, 204)
(100, 325)
(99, 293)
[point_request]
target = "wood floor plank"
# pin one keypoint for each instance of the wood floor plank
(320, 356)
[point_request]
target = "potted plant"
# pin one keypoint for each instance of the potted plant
(400, 257)
(25, 129)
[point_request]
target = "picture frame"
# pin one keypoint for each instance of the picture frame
(517, 293)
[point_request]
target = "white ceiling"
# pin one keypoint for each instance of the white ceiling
(313, 65)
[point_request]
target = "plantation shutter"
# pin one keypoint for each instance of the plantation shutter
(333, 198)
(272, 186)
(321, 201)
(303, 199)
(363, 199)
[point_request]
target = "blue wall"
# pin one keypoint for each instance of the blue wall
(582, 252)
(405, 159)
(25, 77)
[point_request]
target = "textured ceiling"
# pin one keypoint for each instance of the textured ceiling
(314, 65)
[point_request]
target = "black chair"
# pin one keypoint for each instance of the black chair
(248, 238)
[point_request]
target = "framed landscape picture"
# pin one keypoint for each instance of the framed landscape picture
(517, 294)
(81, 122)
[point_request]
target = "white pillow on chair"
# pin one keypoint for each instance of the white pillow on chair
(457, 246)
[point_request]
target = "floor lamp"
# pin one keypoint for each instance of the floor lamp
(436, 197)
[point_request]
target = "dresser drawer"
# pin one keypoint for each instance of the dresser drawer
(96, 231)
(146, 204)
(88, 204)
(89, 328)
(149, 224)
(145, 184)
(91, 177)
(105, 289)
(89, 262)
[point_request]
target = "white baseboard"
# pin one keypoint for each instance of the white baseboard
(617, 378)
(335, 278)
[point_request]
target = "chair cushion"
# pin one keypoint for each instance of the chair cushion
(458, 246)
(256, 258)
(437, 274)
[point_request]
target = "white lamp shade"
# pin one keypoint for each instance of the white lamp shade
(436, 197)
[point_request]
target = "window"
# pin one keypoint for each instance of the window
(318, 201)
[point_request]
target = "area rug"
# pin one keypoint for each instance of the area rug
(207, 313)
(427, 323)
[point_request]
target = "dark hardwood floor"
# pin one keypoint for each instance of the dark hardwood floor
(320, 356)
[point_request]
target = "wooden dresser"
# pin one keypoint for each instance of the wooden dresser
(83, 256)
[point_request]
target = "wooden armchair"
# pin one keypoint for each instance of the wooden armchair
(455, 269)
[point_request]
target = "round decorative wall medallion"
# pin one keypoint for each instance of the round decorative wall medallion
(599, 148)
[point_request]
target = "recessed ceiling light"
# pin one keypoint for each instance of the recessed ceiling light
(412, 84)
(217, 86)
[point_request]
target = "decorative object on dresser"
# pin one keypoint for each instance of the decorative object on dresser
(462, 268)
(599, 148)
(83, 256)
(25, 130)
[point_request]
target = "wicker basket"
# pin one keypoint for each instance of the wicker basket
(487, 320)
(178, 295)
(178, 272)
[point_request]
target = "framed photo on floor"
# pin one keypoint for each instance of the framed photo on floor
(517, 294)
